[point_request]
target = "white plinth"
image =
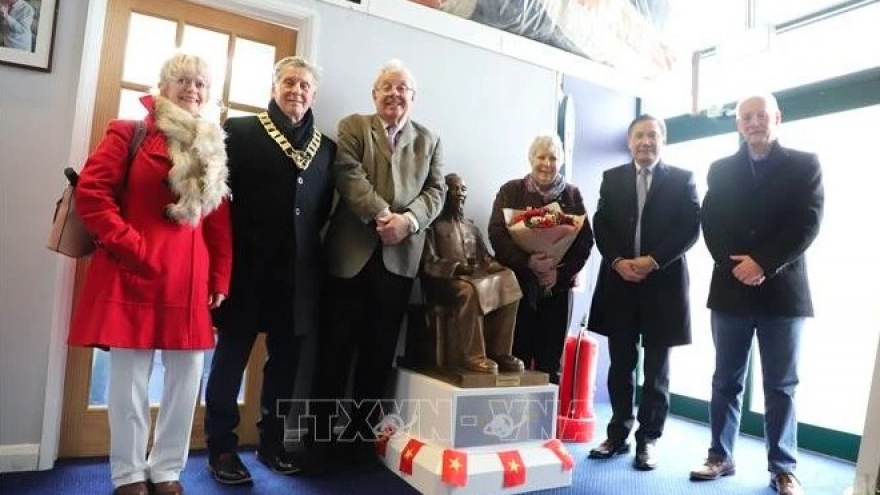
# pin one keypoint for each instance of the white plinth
(479, 422)
(485, 474)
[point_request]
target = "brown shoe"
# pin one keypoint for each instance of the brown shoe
(480, 364)
(168, 488)
(712, 469)
(136, 488)
(786, 484)
(509, 364)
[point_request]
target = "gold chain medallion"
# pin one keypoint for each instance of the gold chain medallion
(302, 159)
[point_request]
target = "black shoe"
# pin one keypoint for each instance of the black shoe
(282, 462)
(228, 469)
(646, 457)
(610, 448)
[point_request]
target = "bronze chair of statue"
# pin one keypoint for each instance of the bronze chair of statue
(470, 298)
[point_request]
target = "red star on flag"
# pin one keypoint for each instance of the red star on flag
(514, 468)
(408, 455)
(454, 470)
(556, 446)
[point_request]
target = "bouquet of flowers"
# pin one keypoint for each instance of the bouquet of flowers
(547, 229)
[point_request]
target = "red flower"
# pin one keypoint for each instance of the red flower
(542, 218)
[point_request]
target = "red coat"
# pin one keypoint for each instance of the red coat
(149, 283)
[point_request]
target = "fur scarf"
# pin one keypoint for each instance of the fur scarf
(198, 156)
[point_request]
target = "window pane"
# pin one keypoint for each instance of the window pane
(833, 47)
(213, 47)
(839, 344)
(150, 42)
(840, 45)
(692, 366)
(252, 73)
(238, 113)
(98, 388)
(702, 24)
(776, 12)
(130, 106)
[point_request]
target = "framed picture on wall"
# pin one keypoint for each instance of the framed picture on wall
(27, 29)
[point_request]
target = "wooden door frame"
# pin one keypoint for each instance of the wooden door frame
(303, 20)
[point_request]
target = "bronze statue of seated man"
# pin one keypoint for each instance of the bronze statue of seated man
(460, 278)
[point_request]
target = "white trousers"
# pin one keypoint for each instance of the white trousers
(128, 411)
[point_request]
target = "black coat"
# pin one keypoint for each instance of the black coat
(771, 214)
(278, 212)
(658, 307)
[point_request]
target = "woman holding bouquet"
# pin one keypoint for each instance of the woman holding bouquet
(546, 281)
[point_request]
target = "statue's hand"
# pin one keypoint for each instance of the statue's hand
(495, 267)
(464, 268)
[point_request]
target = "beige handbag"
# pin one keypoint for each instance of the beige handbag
(69, 235)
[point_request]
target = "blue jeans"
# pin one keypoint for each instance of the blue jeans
(779, 345)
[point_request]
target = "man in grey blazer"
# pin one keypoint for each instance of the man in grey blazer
(391, 187)
(761, 212)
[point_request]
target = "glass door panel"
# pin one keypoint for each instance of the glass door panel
(250, 84)
(839, 344)
(150, 41)
(692, 366)
(214, 47)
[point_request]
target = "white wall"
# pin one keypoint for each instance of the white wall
(36, 116)
(485, 106)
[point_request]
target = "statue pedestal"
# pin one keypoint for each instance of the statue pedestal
(480, 423)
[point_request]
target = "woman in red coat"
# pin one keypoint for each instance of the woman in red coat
(162, 226)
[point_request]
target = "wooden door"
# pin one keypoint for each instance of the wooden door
(138, 36)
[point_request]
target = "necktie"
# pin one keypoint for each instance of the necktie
(392, 136)
(641, 195)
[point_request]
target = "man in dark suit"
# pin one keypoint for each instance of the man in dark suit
(391, 187)
(646, 220)
(761, 212)
(279, 174)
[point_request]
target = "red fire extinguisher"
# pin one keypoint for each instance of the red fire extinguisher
(576, 421)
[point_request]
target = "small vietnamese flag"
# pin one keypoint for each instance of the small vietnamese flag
(514, 468)
(556, 446)
(408, 455)
(454, 470)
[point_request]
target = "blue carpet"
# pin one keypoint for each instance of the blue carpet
(682, 448)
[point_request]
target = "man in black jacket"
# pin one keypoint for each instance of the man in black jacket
(279, 174)
(646, 220)
(761, 212)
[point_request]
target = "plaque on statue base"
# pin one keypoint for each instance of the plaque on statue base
(454, 440)
(473, 379)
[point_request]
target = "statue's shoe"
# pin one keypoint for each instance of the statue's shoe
(509, 364)
(480, 364)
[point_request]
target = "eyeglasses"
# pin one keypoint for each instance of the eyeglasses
(186, 81)
(389, 89)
